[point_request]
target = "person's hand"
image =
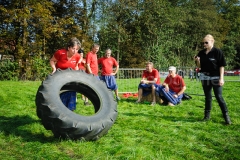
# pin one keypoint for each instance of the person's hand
(197, 59)
(166, 89)
(113, 74)
(54, 70)
(221, 82)
(175, 96)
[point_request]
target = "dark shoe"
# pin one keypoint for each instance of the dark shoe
(86, 104)
(118, 98)
(206, 115)
(227, 118)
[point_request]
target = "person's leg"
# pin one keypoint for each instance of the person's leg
(72, 101)
(86, 103)
(111, 84)
(169, 96)
(207, 89)
(143, 90)
(153, 94)
(83, 97)
(218, 94)
(69, 99)
(116, 93)
(140, 92)
(64, 97)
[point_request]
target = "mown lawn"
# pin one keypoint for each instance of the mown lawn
(140, 131)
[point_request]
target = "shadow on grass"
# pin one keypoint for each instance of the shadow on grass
(189, 117)
(18, 126)
(166, 118)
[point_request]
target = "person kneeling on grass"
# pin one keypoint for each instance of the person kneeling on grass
(150, 81)
(173, 87)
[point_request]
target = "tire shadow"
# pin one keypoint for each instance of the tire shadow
(17, 126)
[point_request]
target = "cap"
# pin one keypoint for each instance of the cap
(171, 68)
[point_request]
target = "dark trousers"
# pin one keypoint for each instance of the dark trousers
(208, 85)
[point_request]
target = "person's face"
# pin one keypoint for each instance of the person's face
(149, 67)
(73, 50)
(207, 43)
(81, 54)
(108, 54)
(95, 49)
(172, 72)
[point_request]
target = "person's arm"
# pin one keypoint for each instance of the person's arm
(88, 59)
(88, 68)
(53, 62)
(116, 70)
(197, 61)
(154, 81)
(183, 88)
(80, 61)
(151, 82)
(166, 86)
(181, 91)
(221, 79)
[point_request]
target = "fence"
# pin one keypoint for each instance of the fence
(129, 78)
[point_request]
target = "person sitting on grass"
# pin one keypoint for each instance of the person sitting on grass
(173, 87)
(149, 83)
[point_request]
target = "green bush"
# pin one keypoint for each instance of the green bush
(9, 70)
(40, 68)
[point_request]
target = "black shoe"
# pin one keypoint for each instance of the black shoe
(86, 104)
(118, 98)
(227, 119)
(206, 115)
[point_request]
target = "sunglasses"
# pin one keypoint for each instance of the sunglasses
(205, 42)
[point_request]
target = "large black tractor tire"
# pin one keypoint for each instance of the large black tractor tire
(64, 123)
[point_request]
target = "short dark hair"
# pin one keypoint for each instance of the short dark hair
(81, 51)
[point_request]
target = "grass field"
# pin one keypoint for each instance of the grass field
(140, 131)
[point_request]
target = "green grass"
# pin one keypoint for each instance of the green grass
(140, 131)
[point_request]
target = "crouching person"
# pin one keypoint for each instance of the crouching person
(173, 87)
(150, 81)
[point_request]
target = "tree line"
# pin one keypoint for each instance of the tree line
(166, 32)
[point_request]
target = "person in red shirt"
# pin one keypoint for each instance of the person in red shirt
(150, 81)
(92, 61)
(173, 87)
(107, 74)
(81, 64)
(92, 64)
(63, 59)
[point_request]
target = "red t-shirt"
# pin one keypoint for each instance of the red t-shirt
(151, 75)
(107, 65)
(82, 64)
(91, 59)
(175, 83)
(63, 62)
